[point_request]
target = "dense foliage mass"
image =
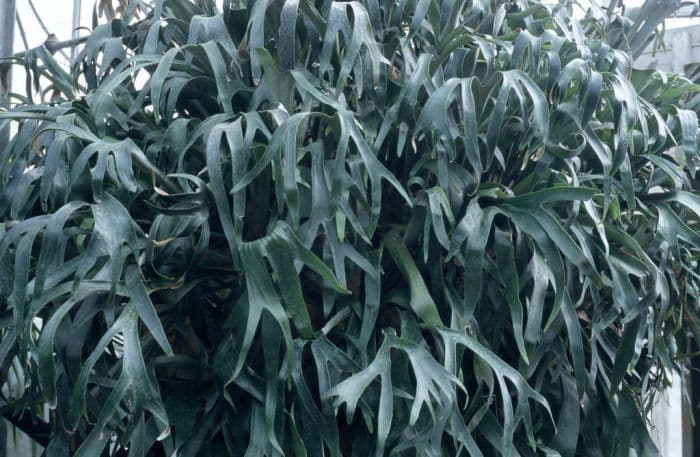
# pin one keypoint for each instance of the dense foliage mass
(325, 228)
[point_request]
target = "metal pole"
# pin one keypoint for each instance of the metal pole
(76, 25)
(7, 38)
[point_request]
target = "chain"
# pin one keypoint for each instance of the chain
(43, 26)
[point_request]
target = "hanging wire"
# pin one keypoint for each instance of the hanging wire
(44, 28)
(22, 34)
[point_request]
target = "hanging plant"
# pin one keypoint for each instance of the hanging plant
(359, 228)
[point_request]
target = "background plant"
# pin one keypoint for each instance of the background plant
(348, 228)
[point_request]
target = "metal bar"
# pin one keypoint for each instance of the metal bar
(77, 7)
(7, 37)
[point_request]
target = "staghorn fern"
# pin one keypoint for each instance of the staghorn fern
(349, 228)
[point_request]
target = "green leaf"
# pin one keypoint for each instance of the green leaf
(421, 301)
(506, 264)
